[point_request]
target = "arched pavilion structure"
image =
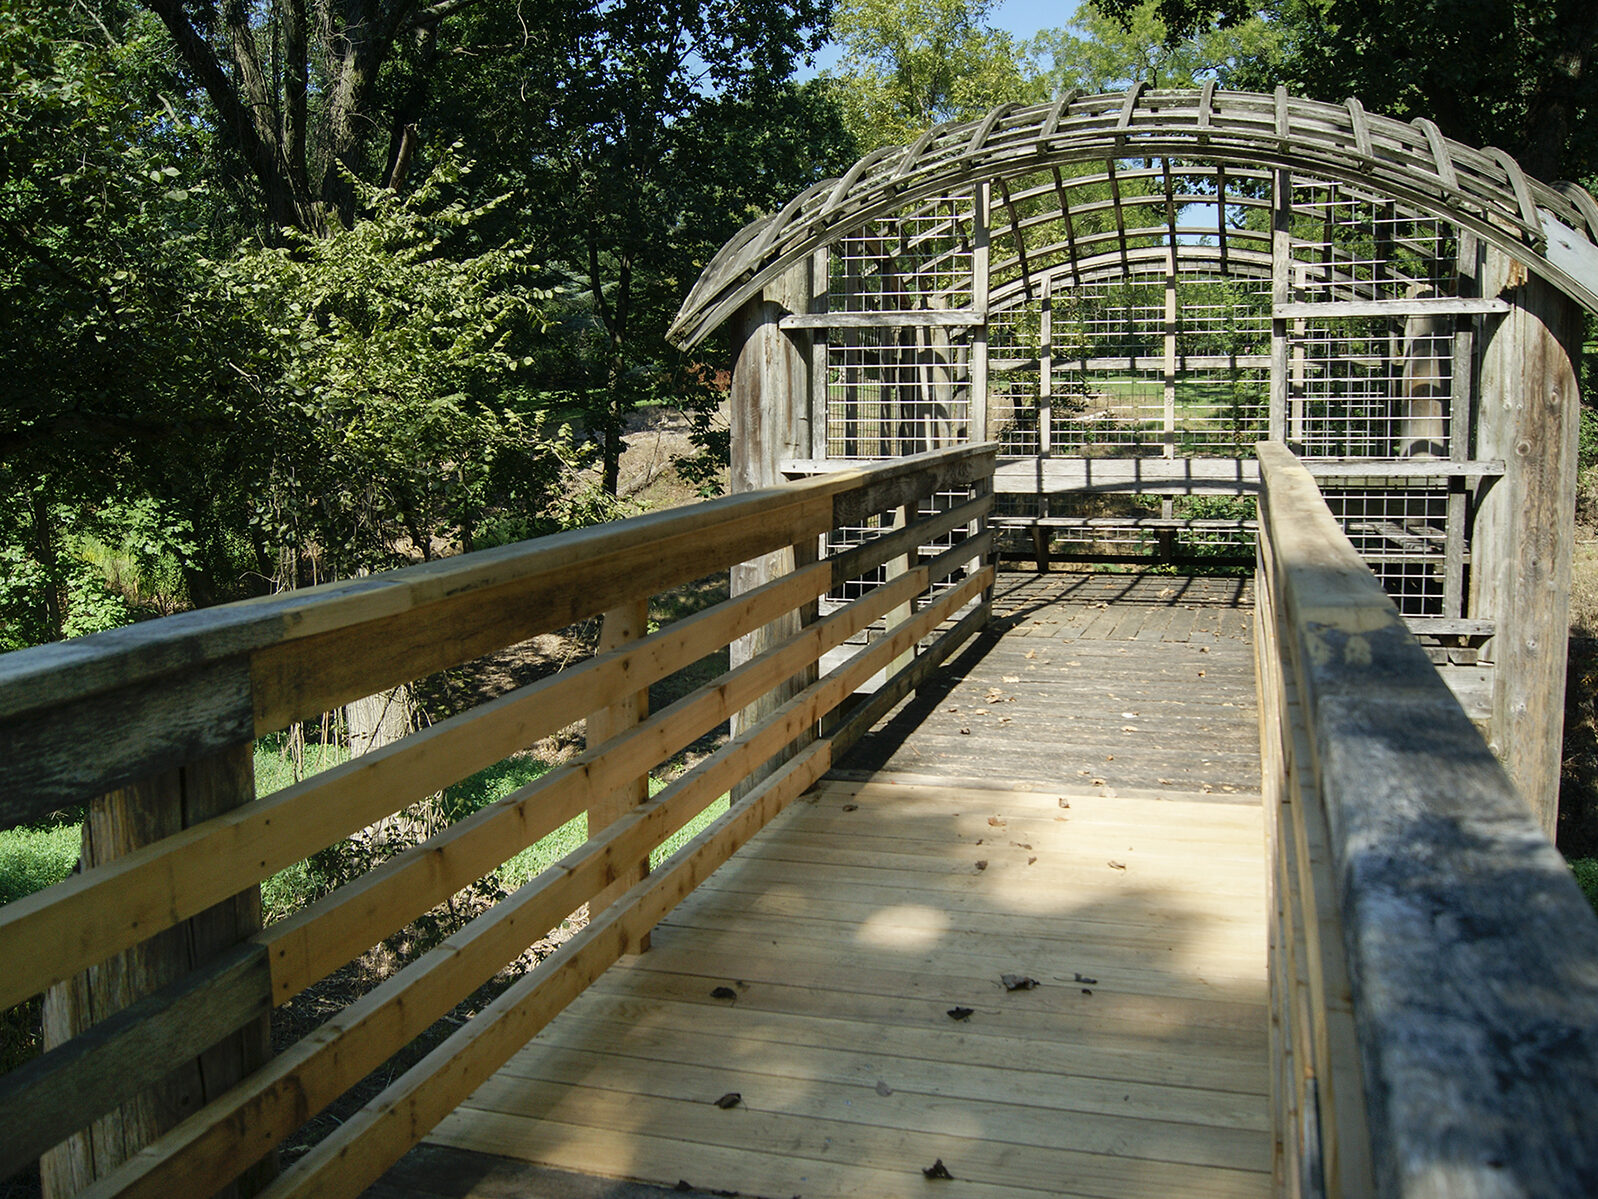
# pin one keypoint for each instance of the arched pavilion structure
(1127, 292)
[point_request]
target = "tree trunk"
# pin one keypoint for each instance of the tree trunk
(118, 823)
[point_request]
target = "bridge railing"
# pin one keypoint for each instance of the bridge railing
(1434, 967)
(154, 725)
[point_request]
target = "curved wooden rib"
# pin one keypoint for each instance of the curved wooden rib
(1409, 163)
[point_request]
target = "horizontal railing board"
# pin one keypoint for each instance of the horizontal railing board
(210, 1148)
(1473, 954)
(311, 650)
(1032, 475)
(58, 758)
(46, 1100)
(354, 1156)
(322, 937)
(63, 929)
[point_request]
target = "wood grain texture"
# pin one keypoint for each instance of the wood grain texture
(1054, 1090)
(1472, 954)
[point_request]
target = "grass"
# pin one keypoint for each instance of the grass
(32, 859)
(1586, 872)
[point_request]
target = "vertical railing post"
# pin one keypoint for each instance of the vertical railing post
(620, 626)
(117, 824)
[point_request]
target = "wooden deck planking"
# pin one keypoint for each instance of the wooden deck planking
(849, 928)
(1125, 683)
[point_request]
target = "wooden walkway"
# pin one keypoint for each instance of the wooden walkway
(1096, 830)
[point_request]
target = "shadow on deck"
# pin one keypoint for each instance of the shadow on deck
(1048, 809)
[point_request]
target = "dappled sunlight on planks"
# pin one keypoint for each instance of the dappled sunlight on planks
(843, 937)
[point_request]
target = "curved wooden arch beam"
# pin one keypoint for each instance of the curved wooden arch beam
(1411, 164)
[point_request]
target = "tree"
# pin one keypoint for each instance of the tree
(658, 129)
(1514, 73)
(911, 64)
(311, 97)
(1100, 53)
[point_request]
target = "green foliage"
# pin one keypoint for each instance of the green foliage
(911, 64)
(1513, 73)
(1100, 53)
(32, 859)
(1586, 872)
(386, 368)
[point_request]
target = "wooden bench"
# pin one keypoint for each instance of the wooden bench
(1165, 526)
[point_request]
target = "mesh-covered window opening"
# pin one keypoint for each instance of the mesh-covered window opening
(914, 261)
(1351, 246)
(1114, 533)
(1107, 388)
(1371, 388)
(892, 392)
(1400, 530)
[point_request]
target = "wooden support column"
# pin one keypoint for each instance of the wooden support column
(117, 824)
(621, 625)
(820, 267)
(1168, 438)
(1281, 293)
(771, 396)
(981, 216)
(1461, 406)
(1520, 576)
(1040, 533)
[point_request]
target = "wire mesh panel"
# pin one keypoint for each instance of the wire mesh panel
(899, 391)
(1400, 529)
(1372, 388)
(919, 259)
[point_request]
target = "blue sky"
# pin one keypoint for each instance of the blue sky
(1020, 17)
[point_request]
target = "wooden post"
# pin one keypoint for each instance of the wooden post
(1520, 575)
(1169, 329)
(117, 824)
(771, 392)
(977, 425)
(621, 625)
(1281, 293)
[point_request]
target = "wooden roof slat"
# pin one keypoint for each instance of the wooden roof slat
(1517, 181)
(1412, 165)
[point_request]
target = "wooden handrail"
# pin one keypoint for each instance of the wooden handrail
(1434, 966)
(261, 660)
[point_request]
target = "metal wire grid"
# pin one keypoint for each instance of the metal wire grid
(1400, 530)
(847, 537)
(1350, 246)
(1107, 387)
(914, 260)
(1371, 388)
(1106, 538)
(896, 391)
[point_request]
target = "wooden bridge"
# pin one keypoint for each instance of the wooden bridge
(1023, 909)
(1078, 884)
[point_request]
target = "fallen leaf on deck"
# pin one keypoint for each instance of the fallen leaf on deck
(1082, 978)
(851, 807)
(884, 1089)
(1032, 653)
(961, 1013)
(996, 821)
(1065, 803)
(982, 864)
(724, 993)
(730, 1099)
(937, 1170)
(1020, 844)
(1114, 865)
(1128, 728)
(1098, 782)
(1166, 782)
(1010, 678)
(1029, 861)
(1018, 982)
(965, 732)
